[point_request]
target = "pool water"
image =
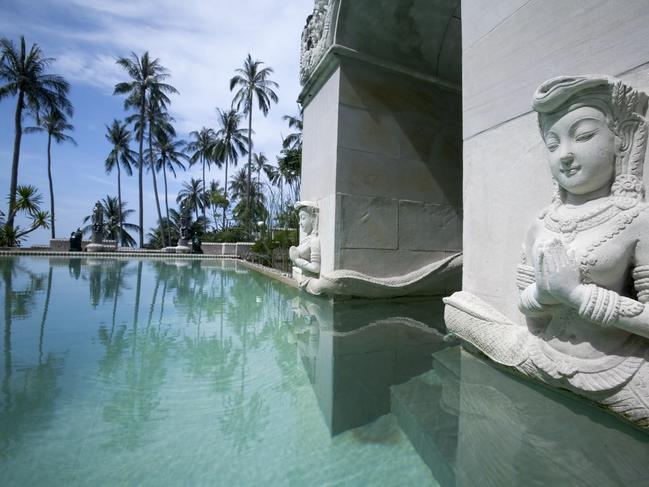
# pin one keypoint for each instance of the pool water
(152, 372)
(188, 372)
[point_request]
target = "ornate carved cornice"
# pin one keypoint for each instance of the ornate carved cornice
(317, 36)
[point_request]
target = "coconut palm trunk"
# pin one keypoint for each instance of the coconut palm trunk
(140, 168)
(14, 164)
(249, 162)
(204, 217)
(225, 192)
(155, 186)
(49, 177)
(164, 175)
(119, 204)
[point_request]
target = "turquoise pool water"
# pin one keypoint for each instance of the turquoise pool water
(180, 372)
(143, 372)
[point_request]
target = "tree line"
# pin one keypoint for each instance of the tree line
(146, 141)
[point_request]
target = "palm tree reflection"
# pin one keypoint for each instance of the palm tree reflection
(134, 367)
(28, 394)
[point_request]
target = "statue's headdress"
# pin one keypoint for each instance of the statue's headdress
(312, 209)
(625, 108)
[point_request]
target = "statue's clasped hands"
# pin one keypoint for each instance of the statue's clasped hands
(557, 275)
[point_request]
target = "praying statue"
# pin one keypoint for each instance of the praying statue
(306, 256)
(584, 273)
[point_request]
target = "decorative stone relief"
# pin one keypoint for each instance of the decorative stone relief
(438, 275)
(306, 256)
(316, 37)
(584, 272)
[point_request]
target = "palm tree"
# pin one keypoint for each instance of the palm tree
(120, 155)
(159, 122)
(294, 139)
(260, 163)
(239, 184)
(27, 200)
(216, 199)
(147, 80)
(231, 142)
(191, 195)
(203, 151)
(170, 157)
(253, 82)
(112, 229)
(240, 190)
(54, 123)
(23, 74)
(289, 165)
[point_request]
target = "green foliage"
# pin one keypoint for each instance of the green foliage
(28, 202)
(288, 216)
(229, 235)
(273, 251)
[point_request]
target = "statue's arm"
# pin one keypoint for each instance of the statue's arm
(608, 308)
(314, 264)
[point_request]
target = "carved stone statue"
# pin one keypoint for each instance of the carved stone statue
(584, 275)
(75, 240)
(342, 282)
(196, 245)
(306, 256)
(97, 224)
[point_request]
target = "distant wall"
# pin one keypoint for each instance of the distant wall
(63, 244)
(239, 250)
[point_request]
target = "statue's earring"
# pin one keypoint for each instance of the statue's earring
(618, 144)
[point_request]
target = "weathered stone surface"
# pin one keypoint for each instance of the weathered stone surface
(506, 58)
(369, 222)
(429, 227)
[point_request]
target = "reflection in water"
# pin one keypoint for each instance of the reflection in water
(352, 370)
(28, 390)
(476, 423)
(189, 372)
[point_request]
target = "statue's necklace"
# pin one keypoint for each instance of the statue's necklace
(570, 226)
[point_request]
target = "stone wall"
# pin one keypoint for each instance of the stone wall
(509, 48)
(239, 250)
(382, 158)
(63, 244)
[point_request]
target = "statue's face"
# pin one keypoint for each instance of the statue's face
(306, 222)
(581, 148)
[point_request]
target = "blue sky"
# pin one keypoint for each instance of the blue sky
(201, 43)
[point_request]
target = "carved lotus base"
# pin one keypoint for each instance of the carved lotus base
(437, 278)
(618, 382)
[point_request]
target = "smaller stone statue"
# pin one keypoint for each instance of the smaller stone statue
(306, 256)
(97, 224)
(184, 230)
(75, 240)
(196, 245)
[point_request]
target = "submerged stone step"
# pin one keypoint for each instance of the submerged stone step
(474, 424)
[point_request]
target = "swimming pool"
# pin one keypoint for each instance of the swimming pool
(204, 372)
(152, 372)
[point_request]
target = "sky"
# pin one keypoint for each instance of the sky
(201, 42)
